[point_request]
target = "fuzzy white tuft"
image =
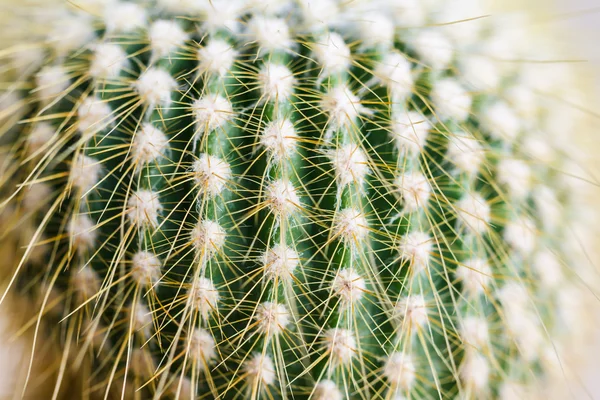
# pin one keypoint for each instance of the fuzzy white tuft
(473, 212)
(451, 100)
(480, 72)
(165, 37)
(271, 318)
(202, 348)
(183, 7)
(474, 331)
(342, 107)
(223, 15)
(351, 225)
(71, 33)
(521, 235)
(400, 371)
(143, 208)
(475, 275)
(204, 297)
(409, 13)
(319, 13)
(340, 344)
(216, 57)
(108, 61)
(280, 139)
(548, 207)
(411, 311)
(282, 198)
(433, 48)
(51, 81)
(82, 232)
(414, 189)
(501, 122)
(548, 268)
(269, 7)
(40, 136)
(141, 319)
(516, 176)
(85, 282)
(270, 34)
(332, 53)
(142, 364)
(211, 112)
(211, 174)
(85, 172)
(36, 196)
(145, 269)
(259, 369)
(276, 82)
(208, 237)
(394, 72)
(327, 390)
(409, 131)
(349, 285)
(415, 248)
(465, 152)
(279, 262)
(475, 372)
(93, 115)
(350, 165)
(155, 86)
(124, 17)
(375, 28)
(149, 145)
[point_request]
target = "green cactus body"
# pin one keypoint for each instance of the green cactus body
(288, 200)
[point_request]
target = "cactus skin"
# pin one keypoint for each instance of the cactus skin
(241, 200)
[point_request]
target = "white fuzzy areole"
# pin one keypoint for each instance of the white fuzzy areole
(145, 268)
(271, 318)
(521, 236)
(204, 297)
(85, 282)
(280, 262)
(475, 275)
(181, 387)
(548, 207)
(514, 297)
(39, 137)
(259, 370)
(71, 33)
(394, 71)
(350, 165)
(155, 86)
(433, 48)
(473, 212)
(351, 225)
(202, 348)
(349, 285)
(211, 112)
(501, 122)
(516, 176)
(108, 61)
(415, 248)
(332, 54)
(317, 14)
(450, 100)
(166, 37)
(85, 172)
(475, 372)
(216, 57)
(411, 312)
(51, 81)
(523, 99)
(342, 107)
(211, 174)
(149, 144)
(140, 319)
(408, 13)
(269, 7)
(124, 17)
(327, 390)
(409, 131)
(279, 138)
(141, 363)
(281, 197)
(465, 152)
(400, 371)
(82, 232)
(269, 33)
(474, 331)
(223, 15)
(143, 208)
(340, 344)
(480, 72)
(538, 148)
(208, 237)
(375, 28)
(93, 115)
(414, 189)
(276, 82)
(548, 268)
(36, 196)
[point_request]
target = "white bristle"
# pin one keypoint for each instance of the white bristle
(270, 34)
(279, 262)
(332, 53)
(516, 176)
(349, 285)
(259, 369)
(202, 348)
(351, 225)
(375, 28)
(548, 268)
(475, 275)
(327, 390)
(211, 174)
(350, 165)
(271, 318)
(216, 57)
(82, 232)
(86, 283)
(451, 100)
(93, 115)
(211, 112)
(204, 297)
(474, 331)
(155, 86)
(108, 61)
(280, 139)
(434, 49)
(51, 81)
(411, 312)
(124, 17)
(40, 136)
(521, 235)
(414, 189)
(276, 82)
(501, 122)
(208, 237)
(341, 345)
(145, 268)
(473, 212)
(410, 130)
(165, 38)
(282, 198)
(416, 248)
(465, 152)
(85, 172)
(141, 319)
(149, 145)
(475, 372)
(143, 208)
(400, 370)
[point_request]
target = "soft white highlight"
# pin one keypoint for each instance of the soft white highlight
(204, 297)
(451, 100)
(149, 145)
(211, 174)
(411, 311)
(416, 248)
(350, 165)
(279, 262)
(340, 344)
(414, 189)
(271, 318)
(410, 130)
(108, 61)
(145, 268)
(155, 86)
(351, 225)
(281, 197)
(473, 213)
(280, 139)
(400, 371)
(143, 208)
(349, 285)
(475, 275)
(165, 37)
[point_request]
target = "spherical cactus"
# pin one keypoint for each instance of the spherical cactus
(291, 199)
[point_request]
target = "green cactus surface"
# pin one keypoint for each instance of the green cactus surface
(311, 199)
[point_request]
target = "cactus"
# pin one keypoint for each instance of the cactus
(289, 200)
